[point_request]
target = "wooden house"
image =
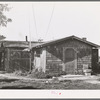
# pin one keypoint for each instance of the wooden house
(71, 54)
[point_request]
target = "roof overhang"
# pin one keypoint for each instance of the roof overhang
(63, 39)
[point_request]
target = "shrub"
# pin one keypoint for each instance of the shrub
(48, 76)
(20, 73)
(37, 74)
(55, 74)
(40, 74)
(62, 73)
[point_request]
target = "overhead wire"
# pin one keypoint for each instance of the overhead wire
(50, 20)
(34, 20)
(30, 43)
(29, 32)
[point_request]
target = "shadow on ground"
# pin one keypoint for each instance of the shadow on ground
(17, 87)
(8, 80)
(6, 83)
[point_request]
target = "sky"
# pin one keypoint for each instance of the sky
(53, 20)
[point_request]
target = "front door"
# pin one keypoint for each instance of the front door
(70, 60)
(95, 60)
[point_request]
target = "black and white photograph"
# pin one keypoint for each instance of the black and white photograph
(50, 45)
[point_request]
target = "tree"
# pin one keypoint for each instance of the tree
(3, 19)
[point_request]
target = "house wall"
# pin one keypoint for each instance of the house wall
(43, 60)
(54, 63)
(54, 55)
(1, 59)
(40, 60)
(16, 60)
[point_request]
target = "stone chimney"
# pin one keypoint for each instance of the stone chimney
(26, 39)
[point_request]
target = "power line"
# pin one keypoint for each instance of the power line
(34, 19)
(29, 34)
(30, 42)
(50, 20)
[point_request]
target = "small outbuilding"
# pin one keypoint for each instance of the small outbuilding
(15, 55)
(71, 54)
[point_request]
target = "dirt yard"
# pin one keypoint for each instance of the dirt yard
(8, 81)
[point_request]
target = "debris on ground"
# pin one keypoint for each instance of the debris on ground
(8, 81)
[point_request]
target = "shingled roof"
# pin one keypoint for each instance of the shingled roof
(21, 44)
(66, 38)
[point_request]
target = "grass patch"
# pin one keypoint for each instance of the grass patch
(41, 75)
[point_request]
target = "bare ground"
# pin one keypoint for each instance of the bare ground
(66, 82)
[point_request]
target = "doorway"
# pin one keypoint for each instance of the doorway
(1, 61)
(70, 60)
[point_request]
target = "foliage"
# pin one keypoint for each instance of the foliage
(50, 74)
(20, 73)
(41, 75)
(3, 19)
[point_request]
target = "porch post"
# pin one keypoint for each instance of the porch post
(63, 69)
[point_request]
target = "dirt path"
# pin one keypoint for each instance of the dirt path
(78, 77)
(11, 76)
(88, 79)
(8, 81)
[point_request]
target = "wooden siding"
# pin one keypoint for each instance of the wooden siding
(53, 63)
(55, 55)
(16, 60)
(95, 61)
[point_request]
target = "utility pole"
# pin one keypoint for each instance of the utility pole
(29, 45)
(30, 54)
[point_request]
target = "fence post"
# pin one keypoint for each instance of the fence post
(30, 61)
(8, 59)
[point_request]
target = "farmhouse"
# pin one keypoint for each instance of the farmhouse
(71, 54)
